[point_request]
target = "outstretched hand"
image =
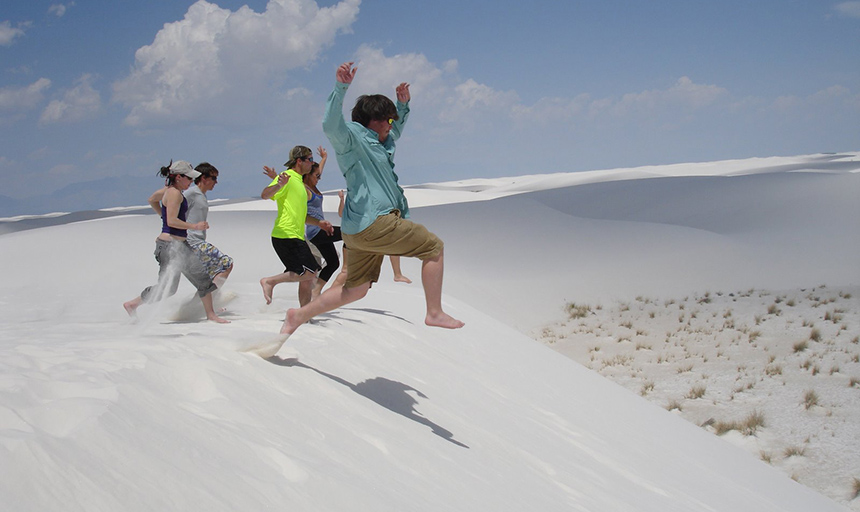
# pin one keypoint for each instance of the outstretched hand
(345, 73)
(268, 171)
(403, 95)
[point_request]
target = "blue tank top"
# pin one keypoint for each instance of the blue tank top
(183, 211)
(315, 210)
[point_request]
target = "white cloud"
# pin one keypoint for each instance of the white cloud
(216, 64)
(456, 101)
(8, 33)
(684, 94)
(78, 103)
(59, 9)
(848, 9)
(23, 98)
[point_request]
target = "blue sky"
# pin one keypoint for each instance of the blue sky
(96, 95)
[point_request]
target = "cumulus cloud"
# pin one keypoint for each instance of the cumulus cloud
(23, 98)
(216, 64)
(848, 9)
(78, 103)
(455, 101)
(8, 33)
(59, 10)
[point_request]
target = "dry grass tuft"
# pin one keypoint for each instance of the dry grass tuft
(748, 426)
(697, 391)
(794, 451)
(578, 310)
(810, 399)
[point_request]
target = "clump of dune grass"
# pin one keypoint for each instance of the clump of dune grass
(855, 489)
(748, 426)
(815, 335)
(647, 387)
(794, 451)
(688, 367)
(773, 369)
(575, 310)
(810, 399)
(673, 404)
(697, 391)
(765, 456)
(800, 346)
(854, 381)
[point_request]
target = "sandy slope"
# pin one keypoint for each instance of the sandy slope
(367, 409)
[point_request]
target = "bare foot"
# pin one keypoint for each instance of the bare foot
(131, 306)
(443, 320)
(290, 322)
(402, 279)
(267, 290)
(218, 319)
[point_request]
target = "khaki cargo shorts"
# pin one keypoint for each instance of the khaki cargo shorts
(388, 235)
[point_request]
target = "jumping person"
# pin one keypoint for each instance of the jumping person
(172, 252)
(323, 241)
(217, 264)
(375, 220)
(288, 234)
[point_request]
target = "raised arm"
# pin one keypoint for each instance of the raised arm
(270, 191)
(334, 125)
(323, 157)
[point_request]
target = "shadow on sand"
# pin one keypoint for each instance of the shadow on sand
(390, 394)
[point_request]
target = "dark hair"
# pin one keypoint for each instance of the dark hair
(206, 170)
(165, 172)
(314, 167)
(373, 107)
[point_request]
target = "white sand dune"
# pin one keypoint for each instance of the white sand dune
(366, 408)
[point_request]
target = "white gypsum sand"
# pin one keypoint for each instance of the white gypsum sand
(368, 409)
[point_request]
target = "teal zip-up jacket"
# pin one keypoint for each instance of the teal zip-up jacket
(366, 163)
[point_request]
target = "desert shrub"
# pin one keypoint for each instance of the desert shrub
(578, 310)
(647, 387)
(752, 423)
(773, 369)
(748, 426)
(793, 451)
(697, 391)
(810, 399)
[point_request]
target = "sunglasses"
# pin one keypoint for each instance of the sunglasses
(306, 158)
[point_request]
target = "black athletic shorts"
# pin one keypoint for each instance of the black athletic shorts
(295, 255)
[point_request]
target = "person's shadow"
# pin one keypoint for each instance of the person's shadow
(390, 394)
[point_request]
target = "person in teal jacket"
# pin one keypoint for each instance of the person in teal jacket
(376, 215)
